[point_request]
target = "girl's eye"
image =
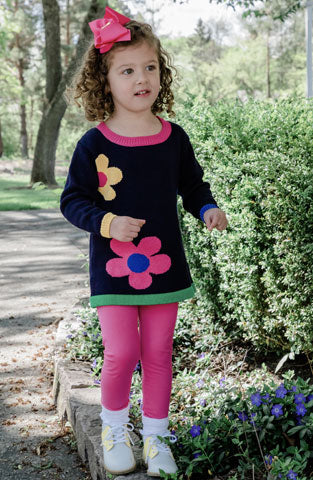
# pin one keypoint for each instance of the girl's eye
(127, 71)
(150, 68)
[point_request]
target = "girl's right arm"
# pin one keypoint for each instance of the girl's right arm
(79, 201)
(79, 198)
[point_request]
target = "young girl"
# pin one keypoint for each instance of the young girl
(122, 188)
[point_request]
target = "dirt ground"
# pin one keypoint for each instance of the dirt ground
(41, 277)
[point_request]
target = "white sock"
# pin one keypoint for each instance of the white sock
(114, 416)
(153, 426)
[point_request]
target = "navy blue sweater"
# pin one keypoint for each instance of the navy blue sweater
(138, 177)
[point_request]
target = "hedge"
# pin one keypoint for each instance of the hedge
(256, 278)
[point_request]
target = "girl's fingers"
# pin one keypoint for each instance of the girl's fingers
(134, 229)
(212, 225)
(136, 222)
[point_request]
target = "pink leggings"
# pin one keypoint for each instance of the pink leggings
(125, 344)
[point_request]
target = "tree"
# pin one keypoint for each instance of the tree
(20, 22)
(55, 105)
(279, 9)
(10, 88)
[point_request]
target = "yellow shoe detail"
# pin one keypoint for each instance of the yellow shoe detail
(149, 450)
(108, 444)
(153, 451)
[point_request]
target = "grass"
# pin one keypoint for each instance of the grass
(16, 194)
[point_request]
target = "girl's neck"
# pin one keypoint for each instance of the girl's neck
(134, 126)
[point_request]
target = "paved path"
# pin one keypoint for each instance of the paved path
(41, 277)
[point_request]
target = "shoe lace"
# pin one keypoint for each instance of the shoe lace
(119, 432)
(163, 447)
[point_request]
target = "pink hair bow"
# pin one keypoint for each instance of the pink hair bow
(109, 29)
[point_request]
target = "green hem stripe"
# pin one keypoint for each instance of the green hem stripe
(151, 299)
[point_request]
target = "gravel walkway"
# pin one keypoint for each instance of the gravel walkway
(41, 277)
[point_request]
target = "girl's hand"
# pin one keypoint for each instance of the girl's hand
(125, 229)
(215, 218)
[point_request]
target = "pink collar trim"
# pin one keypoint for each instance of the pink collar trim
(137, 141)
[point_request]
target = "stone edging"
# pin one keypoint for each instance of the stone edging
(78, 400)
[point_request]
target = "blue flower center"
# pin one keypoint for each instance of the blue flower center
(138, 263)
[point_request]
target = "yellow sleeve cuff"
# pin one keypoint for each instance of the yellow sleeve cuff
(105, 225)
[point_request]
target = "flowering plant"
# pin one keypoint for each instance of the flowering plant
(266, 432)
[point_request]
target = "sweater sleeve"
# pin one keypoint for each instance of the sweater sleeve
(78, 199)
(196, 194)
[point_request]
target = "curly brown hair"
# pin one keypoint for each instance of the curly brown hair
(90, 86)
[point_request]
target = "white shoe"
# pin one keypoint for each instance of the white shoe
(157, 455)
(117, 452)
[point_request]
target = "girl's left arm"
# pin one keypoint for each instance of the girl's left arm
(196, 193)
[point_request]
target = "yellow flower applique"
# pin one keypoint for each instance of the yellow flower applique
(107, 176)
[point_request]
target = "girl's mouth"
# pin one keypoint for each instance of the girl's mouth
(142, 93)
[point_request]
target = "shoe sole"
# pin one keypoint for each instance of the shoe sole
(120, 472)
(151, 474)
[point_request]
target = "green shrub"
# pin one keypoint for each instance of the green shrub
(256, 278)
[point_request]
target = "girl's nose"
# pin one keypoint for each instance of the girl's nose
(141, 77)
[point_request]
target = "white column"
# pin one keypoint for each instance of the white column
(308, 24)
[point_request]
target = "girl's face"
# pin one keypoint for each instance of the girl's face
(134, 78)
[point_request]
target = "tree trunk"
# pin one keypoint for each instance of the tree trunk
(46, 144)
(23, 133)
(55, 106)
(68, 35)
(20, 68)
(24, 141)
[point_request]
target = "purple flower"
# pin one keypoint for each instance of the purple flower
(256, 399)
(137, 367)
(195, 431)
(85, 334)
(300, 398)
(97, 382)
(69, 336)
(277, 410)
(268, 459)
(202, 402)
(299, 421)
(173, 432)
(242, 416)
(309, 398)
(266, 397)
(300, 409)
(251, 417)
(222, 382)
(281, 391)
(94, 363)
(200, 383)
(294, 388)
(201, 355)
(196, 455)
(292, 475)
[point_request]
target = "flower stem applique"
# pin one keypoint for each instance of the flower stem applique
(107, 176)
(138, 262)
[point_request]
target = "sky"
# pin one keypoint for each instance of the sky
(181, 19)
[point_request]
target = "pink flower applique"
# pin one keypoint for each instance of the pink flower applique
(138, 262)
